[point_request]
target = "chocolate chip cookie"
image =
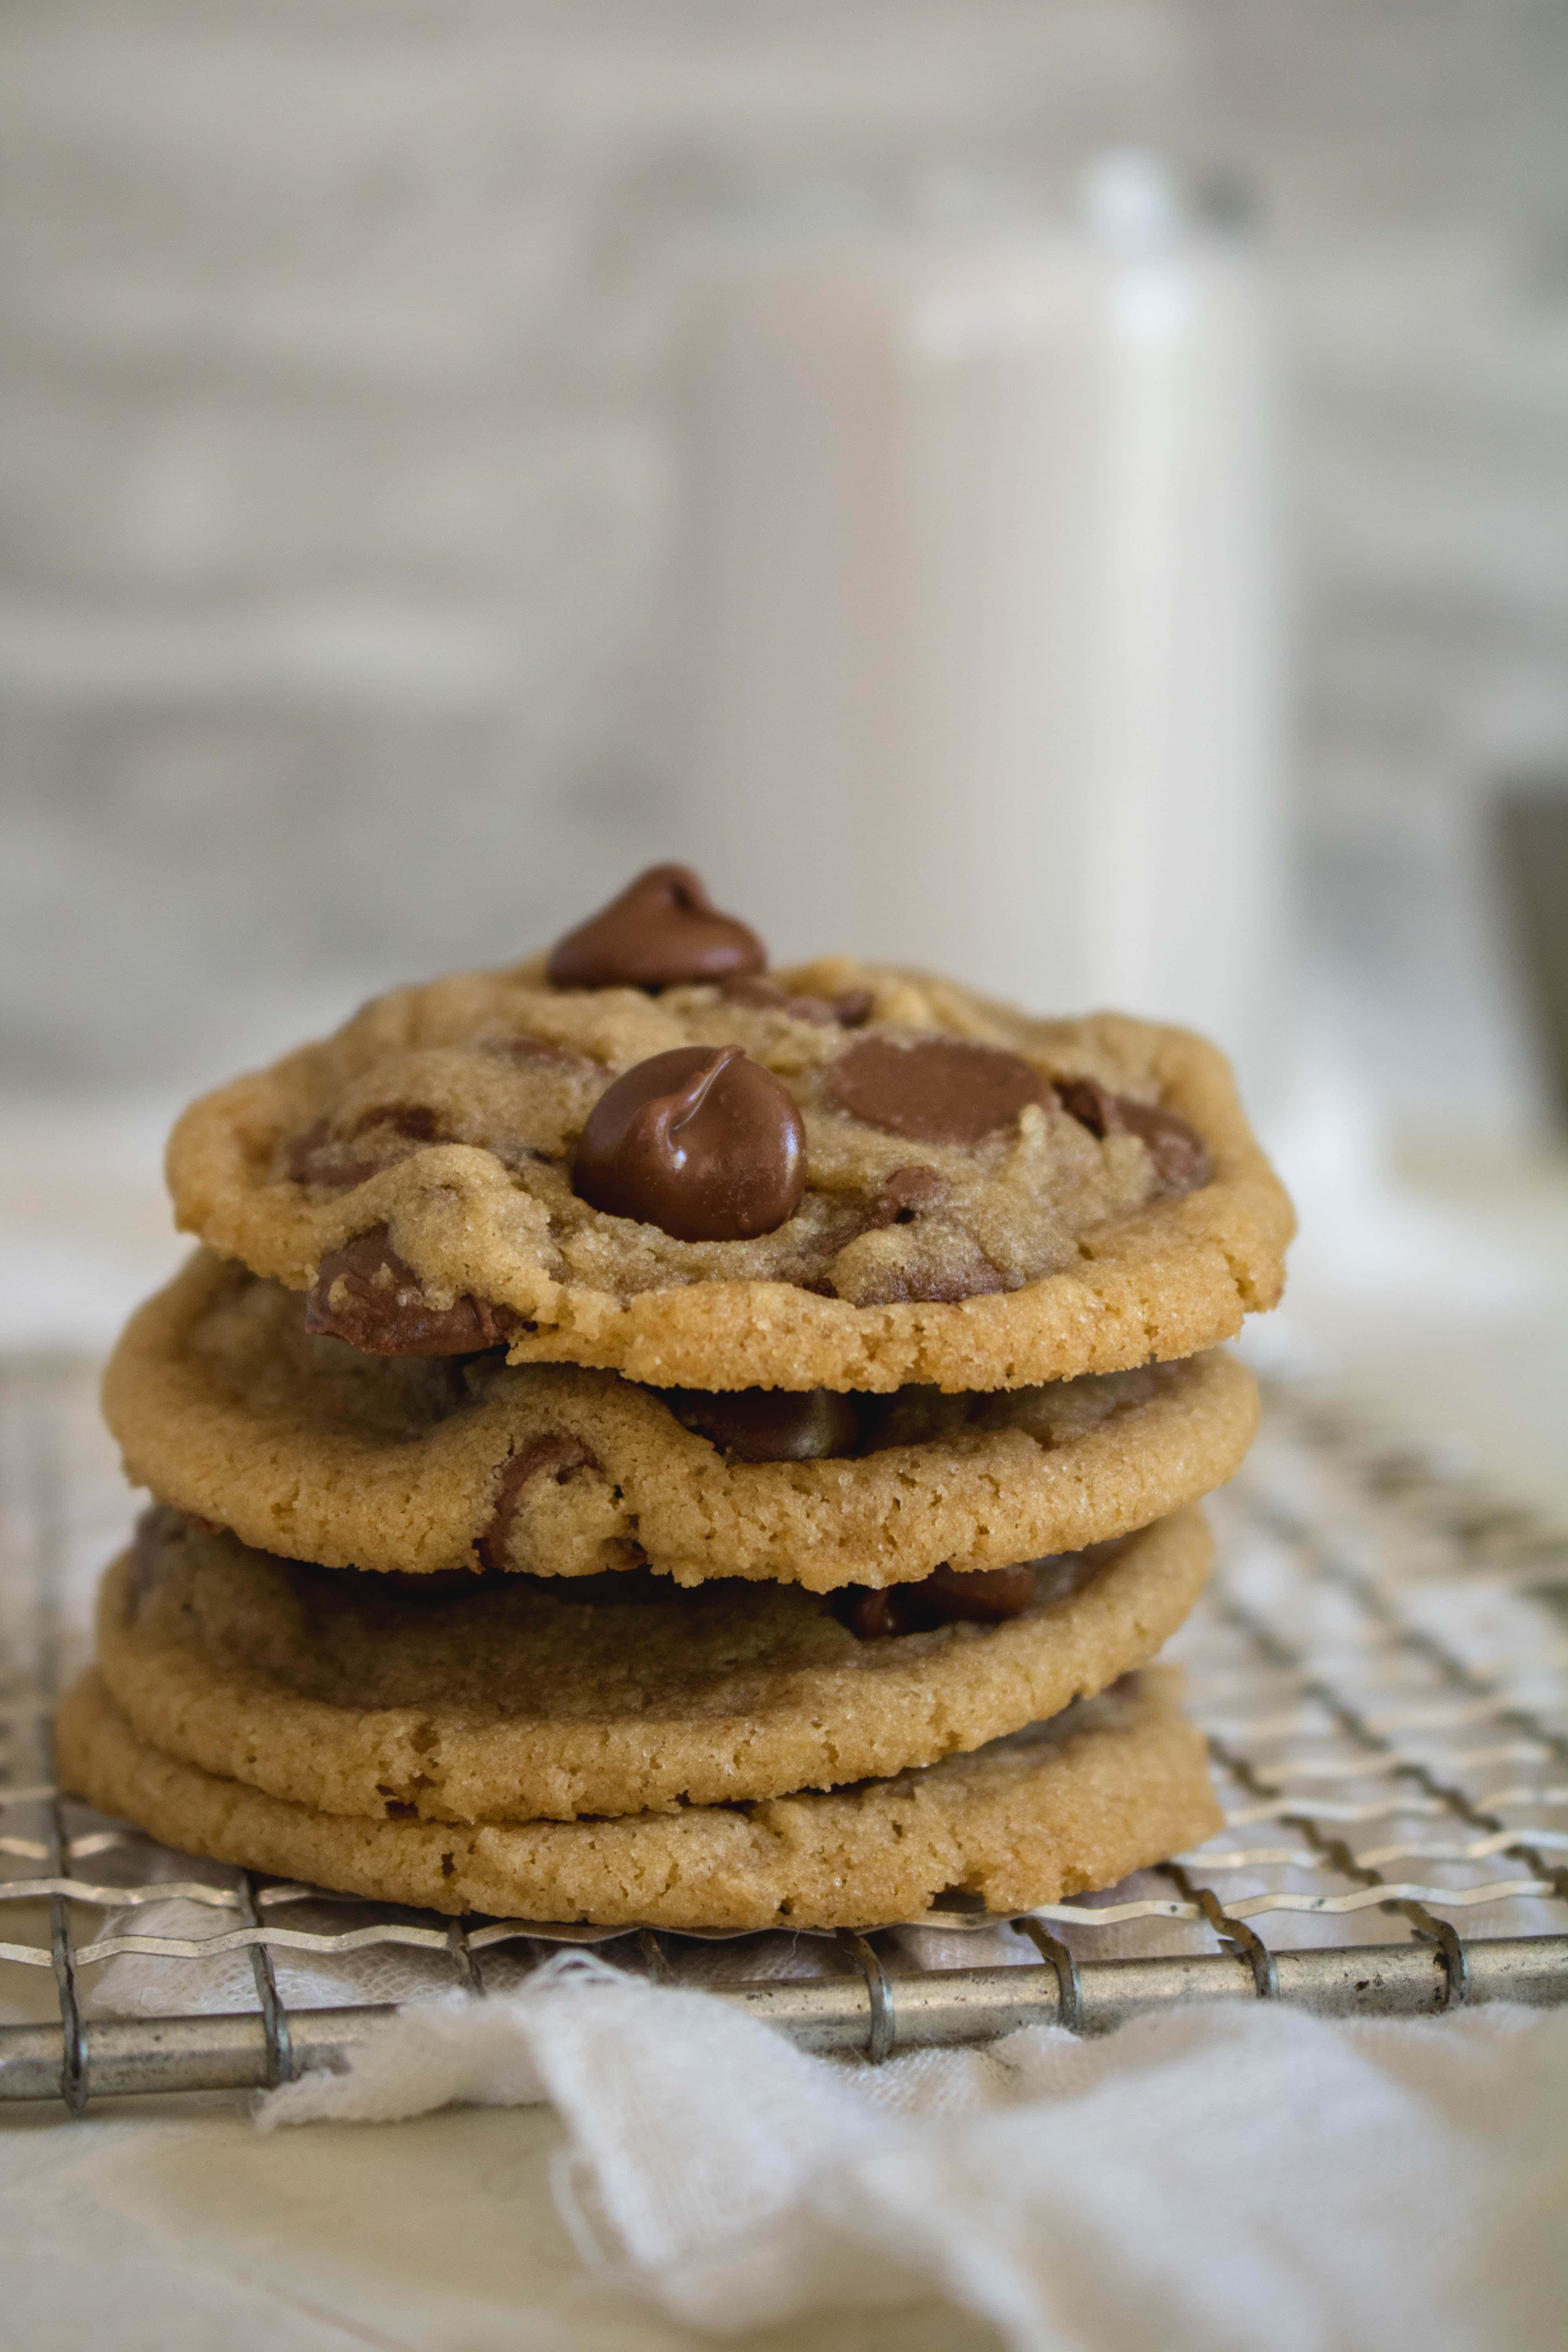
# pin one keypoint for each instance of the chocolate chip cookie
(512, 1700)
(1107, 1786)
(225, 1405)
(647, 1154)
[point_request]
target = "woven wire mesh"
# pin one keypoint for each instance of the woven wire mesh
(1381, 1666)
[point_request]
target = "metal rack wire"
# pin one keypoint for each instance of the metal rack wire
(1384, 1655)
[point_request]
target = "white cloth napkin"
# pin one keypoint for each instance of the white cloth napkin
(1212, 2177)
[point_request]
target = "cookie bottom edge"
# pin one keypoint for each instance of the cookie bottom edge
(1112, 1785)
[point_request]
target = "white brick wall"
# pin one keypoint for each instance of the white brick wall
(334, 476)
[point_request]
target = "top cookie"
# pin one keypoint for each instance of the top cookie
(645, 1156)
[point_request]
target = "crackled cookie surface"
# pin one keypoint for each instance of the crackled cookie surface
(225, 1405)
(508, 1700)
(1110, 1785)
(839, 1176)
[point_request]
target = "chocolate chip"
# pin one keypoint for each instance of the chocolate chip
(853, 1009)
(939, 1090)
(537, 1052)
(662, 930)
(1092, 1105)
(555, 1454)
(918, 1285)
(936, 1264)
(700, 1141)
(901, 1196)
(1180, 1156)
(762, 996)
(868, 1614)
(365, 1294)
(299, 1151)
(1178, 1150)
(320, 1157)
(415, 1122)
(754, 989)
(986, 1596)
(770, 1425)
(315, 1157)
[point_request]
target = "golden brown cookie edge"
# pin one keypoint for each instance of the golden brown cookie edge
(905, 1703)
(1121, 1789)
(1174, 1279)
(425, 1505)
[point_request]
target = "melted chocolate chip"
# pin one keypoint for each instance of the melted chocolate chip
(1178, 1150)
(413, 1122)
(365, 1294)
(553, 1454)
(1092, 1105)
(902, 1195)
(662, 930)
(986, 1596)
(928, 1286)
(537, 1051)
(770, 1425)
(853, 1009)
(765, 996)
(318, 1157)
(761, 995)
(700, 1141)
(1180, 1156)
(314, 1158)
(939, 1090)
(299, 1151)
(922, 1274)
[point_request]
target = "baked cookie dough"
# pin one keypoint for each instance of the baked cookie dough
(1111, 1785)
(983, 1200)
(225, 1406)
(508, 1700)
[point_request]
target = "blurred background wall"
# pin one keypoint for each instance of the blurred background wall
(337, 477)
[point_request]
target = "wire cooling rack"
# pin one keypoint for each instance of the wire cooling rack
(1381, 1666)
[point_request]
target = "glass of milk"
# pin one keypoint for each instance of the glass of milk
(983, 600)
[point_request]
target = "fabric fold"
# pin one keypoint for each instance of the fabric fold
(1208, 2178)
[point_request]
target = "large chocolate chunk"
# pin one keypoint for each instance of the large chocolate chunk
(662, 930)
(770, 1425)
(700, 1141)
(365, 1294)
(938, 1090)
(1180, 1156)
(552, 1454)
(985, 1596)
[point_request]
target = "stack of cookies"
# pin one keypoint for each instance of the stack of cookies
(646, 1439)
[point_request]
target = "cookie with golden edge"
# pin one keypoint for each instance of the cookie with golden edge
(964, 1197)
(225, 1406)
(510, 1700)
(1110, 1785)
